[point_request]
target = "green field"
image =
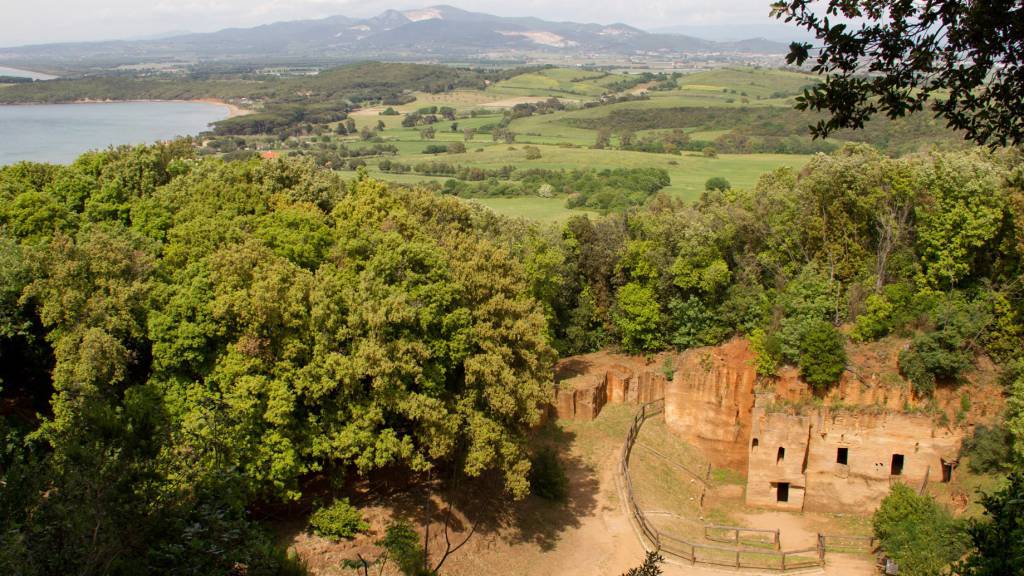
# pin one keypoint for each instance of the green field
(557, 82)
(567, 146)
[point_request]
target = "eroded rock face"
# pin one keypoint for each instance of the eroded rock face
(709, 402)
(583, 396)
(830, 460)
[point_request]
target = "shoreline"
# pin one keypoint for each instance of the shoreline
(47, 75)
(234, 111)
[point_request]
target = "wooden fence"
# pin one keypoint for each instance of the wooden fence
(735, 534)
(767, 557)
(842, 543)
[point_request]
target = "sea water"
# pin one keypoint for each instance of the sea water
(59, 133)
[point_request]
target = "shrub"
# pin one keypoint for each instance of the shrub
(638, 318)
(547, 476)
(921, 536)
(932, 356)
(650, 567)
(822, 356)
(988, 449)
(403, 547)
(768, 352)
(944, 353)
(337, 521)
(668, 368)
(532, 152)
(998, 539)
(885, 313)
(709, 152)
(717, 183)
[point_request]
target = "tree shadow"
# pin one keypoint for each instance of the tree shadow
(571, 368)
(543, 522)
(475, 508)
(483, 507)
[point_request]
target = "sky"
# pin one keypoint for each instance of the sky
(45, 21)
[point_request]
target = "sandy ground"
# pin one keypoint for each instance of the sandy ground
(600, 543)
(592, 536)
(233, 111)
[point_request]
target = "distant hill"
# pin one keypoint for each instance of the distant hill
(438, 33)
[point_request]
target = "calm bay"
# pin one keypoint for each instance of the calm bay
(59, 133)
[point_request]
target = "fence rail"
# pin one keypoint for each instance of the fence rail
(736, 556)
(843, 543)
(735, 534)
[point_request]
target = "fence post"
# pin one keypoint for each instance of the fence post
(783, 561)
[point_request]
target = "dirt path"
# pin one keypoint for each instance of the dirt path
(600, 543)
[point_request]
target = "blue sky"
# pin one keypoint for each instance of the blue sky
(44, 21)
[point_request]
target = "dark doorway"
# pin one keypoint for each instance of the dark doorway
(782, 492)
(781, 455)
(753, 445)
(897, 465)
(947, 472)
(842, 456)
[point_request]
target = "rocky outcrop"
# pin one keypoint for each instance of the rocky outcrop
(583, 397)
(836, 453)
(709, 402)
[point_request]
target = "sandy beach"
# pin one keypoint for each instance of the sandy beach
(233, 110)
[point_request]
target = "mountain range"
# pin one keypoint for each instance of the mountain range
(440, 33)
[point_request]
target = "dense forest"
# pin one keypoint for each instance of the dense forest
(185, 340)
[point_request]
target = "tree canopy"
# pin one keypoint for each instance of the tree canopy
(962, 59)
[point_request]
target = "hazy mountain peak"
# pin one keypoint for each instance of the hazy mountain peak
(440, 31)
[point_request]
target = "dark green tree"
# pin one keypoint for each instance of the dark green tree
(961, 58)
(998, 539)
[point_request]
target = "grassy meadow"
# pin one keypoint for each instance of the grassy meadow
(563, 144)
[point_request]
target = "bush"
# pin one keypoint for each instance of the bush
(768, 352)
(822, 356)
(921, 536)
(988, 449)
(945, 352)
(650, 567)
(337, 521)
(998, 539)
(638, 318)
(532, 152)
(933, 356)
(547, 476)
(887, 312)
(402, 542)
(717, 183)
